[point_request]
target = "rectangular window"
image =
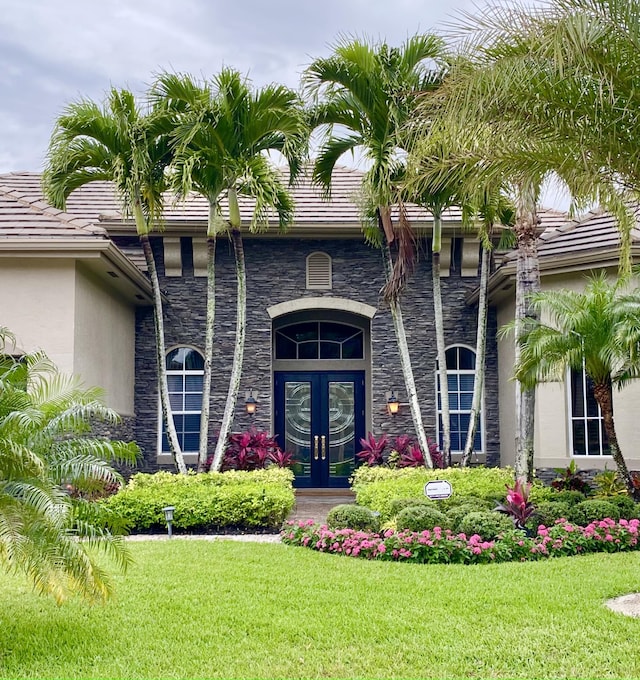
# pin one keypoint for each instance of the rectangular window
(588, 437)
(460, 381)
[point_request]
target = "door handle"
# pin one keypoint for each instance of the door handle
(315, 448)
(324, 447)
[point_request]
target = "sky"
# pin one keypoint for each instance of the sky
(54, 52)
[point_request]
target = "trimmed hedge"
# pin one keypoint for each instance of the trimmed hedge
(487, 524)
(212, 501)
(377, 487)
(592, 511)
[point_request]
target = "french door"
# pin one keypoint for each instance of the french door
(319, 417)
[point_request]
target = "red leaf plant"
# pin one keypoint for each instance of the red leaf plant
(517, 505)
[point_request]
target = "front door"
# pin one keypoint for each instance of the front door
(319, 417)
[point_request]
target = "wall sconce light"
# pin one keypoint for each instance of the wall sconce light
(168, 517)
(393, 405)
(250, 403)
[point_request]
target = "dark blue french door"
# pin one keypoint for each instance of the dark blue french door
(319, 417)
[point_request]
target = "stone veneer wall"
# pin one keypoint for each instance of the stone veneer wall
(276, 272)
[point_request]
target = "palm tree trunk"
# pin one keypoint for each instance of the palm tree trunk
(481, 349)
(436, 246)
(527, 282)
(604, 396)
(241, 314)
(203, 448)
(405, 362)
(161, 356)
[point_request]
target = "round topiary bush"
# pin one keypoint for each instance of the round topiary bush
(625, 504)
(456, 514)
(570, 497)
(399, 504)
(547, 512)
(593, 510)
(350, 516)
(421, 518)
(486, 523)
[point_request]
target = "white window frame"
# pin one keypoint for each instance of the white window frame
(175, 412)
(466, 371)
(584, 419)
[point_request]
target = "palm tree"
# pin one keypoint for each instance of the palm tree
(46, 450)
(222, 134)
(366, 97)
(598, 331)
(121, 144)
(556, 87)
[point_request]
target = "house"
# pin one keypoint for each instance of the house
(321, 358)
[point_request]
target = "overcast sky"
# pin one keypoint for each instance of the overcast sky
(53, 52)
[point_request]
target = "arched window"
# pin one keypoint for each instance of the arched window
(461, 376)
(319, 340)
(588, 437)
(185, 368)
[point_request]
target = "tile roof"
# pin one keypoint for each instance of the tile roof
(595, 231)
(25, 213)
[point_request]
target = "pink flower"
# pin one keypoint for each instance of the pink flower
(382, 548)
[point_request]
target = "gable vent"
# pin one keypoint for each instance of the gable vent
(319, 271)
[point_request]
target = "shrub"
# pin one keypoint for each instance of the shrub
(457, 513)
(570, 479)
(351, 516)
(377, 487)
(568, 496)
(592, 510)
(420, 518)
(487, 524)
(609, 483)
(211, 501)
(398, 504)
(480, 503)
(253, 450)
(517, 505)
(626, 505)
(548, 512)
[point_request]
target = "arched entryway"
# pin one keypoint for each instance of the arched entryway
(321, 379)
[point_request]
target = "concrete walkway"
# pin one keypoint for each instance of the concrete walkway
(315, 503)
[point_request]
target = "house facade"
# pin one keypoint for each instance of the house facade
(321, 358)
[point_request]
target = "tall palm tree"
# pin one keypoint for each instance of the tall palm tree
(598, 331)
(557, 87)
(124, 145)
(223, 131)
(494, 209)
(46, 450)
(365, 96)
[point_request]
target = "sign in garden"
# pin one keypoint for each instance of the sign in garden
(438, 489)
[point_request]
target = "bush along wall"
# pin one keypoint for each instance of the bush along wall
(230, 501)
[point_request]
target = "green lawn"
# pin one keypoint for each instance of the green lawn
(223, 609)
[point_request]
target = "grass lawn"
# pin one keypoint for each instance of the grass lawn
(222, 609)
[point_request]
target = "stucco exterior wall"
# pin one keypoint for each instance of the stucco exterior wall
(38, 305)
(104, 341)
(552, 425)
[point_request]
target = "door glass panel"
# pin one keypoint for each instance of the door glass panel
(342, 441)
(297, 425)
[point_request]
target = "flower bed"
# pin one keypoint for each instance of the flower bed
(445, 547)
